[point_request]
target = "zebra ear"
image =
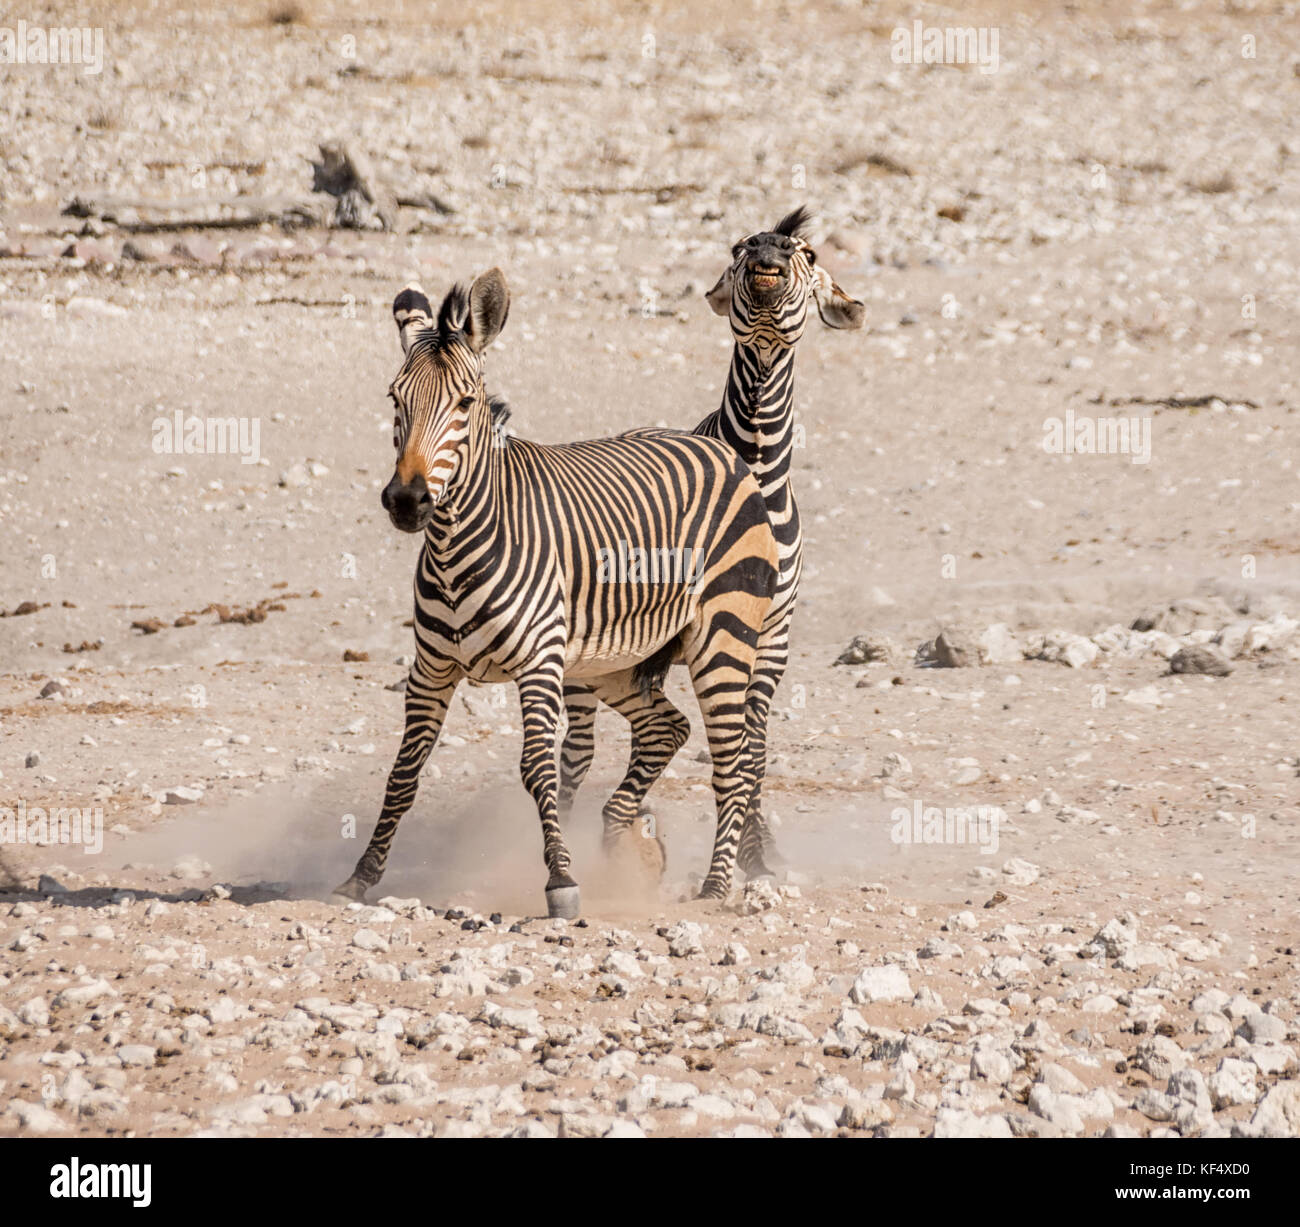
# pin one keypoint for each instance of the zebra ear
(489, 304)
(719, 298)
(413, 314)
(835, 307)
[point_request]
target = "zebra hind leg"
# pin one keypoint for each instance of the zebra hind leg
(579, 745)
(659, 730)
(541, 696)
(429, 691)
(720, 664)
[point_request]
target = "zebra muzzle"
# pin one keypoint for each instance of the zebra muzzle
(409, 504)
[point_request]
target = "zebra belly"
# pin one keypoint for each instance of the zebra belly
(594, 659)
(599, 665)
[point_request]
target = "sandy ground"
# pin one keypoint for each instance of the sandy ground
(1105, 226)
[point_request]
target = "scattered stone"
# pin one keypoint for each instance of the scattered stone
(181, 795)
(954, 649)
(960, 1123)
(888, 983)
(869, 650)
(1200, 658)
(685, 938)
(759, 895)
(1278, 1114)
(998, 646)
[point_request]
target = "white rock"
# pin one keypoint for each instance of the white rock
(138, 1054)
(685, 938)
(1068, 649)
(1271, 1058)
(1232, 1083)
(181, 794)
(1261, 1028)
(1278, 1115)
(35, 1117)
(1144, 696)
(1021, 872)
(1052, 1106)
(759, 895)
(998, 646)
(991, 1064)
(368, 939)
(35, 1013)
(959, 1123)
(1061, 1080)
(1116, 935)
(621, 963)
(888, 983)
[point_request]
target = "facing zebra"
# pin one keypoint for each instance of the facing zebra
(509, 585)
(764, 293)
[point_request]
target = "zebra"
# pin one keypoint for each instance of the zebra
(764, 292)
(515, 580)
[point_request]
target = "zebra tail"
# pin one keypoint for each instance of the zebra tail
(649, 675)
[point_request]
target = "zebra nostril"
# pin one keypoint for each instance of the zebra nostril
(405, 501)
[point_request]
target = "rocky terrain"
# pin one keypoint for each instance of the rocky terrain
(1034, 768)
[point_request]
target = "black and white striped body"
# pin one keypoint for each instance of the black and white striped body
(765, 294)
(518, 578)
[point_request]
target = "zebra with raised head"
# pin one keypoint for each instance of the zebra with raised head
(519, 577)
(765, 293)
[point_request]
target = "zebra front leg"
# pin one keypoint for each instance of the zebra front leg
(541, 696)
(579, 745)
(429, 690)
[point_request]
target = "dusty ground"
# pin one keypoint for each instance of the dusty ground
(1117, 237)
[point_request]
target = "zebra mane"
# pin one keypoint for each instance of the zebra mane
(793, 225)
(453, 312)
(500, 410)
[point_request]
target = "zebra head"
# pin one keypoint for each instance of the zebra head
(766, 288)
(438, 393)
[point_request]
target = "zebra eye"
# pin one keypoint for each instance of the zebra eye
(810, 255)
(467, 402)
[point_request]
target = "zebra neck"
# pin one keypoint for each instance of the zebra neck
(757, 416)
(475, 497)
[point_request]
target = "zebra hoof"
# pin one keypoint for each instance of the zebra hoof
(712, 890)
(351, 891)
(563, 902)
